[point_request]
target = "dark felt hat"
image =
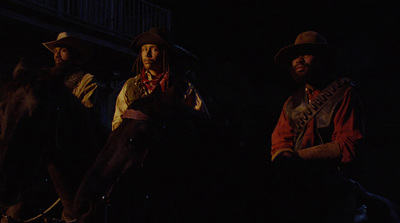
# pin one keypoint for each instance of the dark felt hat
(161, 37)
(306, 42)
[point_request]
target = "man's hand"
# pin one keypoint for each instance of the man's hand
(289, 158)
(289, 154)
(327, 151)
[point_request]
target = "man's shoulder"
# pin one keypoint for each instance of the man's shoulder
(88, 78)
(349, 86)
(134, 88)
(133, 80)
(87, 75)
(185, 85)
(186, 81)
(345, 81)
(297, 95)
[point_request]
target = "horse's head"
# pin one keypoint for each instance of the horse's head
(43, 127)
(48, 140)
(20, 127)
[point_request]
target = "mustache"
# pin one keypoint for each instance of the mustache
(293, 69)
(301, 64)
(301, 79)
(149, 60)
(58, 58)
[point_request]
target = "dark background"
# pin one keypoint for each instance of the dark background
(237, 40)
(244, 90)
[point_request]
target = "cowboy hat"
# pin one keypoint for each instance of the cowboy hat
(66, 39)
(306, 42)
(161, 37)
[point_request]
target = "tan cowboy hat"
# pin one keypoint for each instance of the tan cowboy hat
(306, 42)
(66, 39)
(162, 37)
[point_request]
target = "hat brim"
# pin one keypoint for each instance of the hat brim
(285, 55)
(83, 48)
(152, 38)
(147, 38)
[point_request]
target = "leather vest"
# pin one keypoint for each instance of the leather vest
(323, 120)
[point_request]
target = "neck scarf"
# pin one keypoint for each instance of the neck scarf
(151, 81)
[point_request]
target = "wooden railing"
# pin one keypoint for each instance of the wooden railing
(124, 18)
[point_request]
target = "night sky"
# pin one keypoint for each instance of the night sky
(236, 43)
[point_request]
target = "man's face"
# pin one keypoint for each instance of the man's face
(62, 56)
(151, 57)
(302, 67)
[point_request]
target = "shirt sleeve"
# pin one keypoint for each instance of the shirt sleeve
(282, 136)
(348, 129)
(121, 105)
(85, 90)
(349, 126)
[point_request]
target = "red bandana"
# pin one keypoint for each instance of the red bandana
(160, 79)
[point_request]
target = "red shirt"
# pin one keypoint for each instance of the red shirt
(348, 128)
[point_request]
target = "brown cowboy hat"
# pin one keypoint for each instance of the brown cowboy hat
(306, 42)
(66, 39)
(161, 37)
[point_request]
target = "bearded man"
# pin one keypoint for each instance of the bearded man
(69, 54)
(319, 133)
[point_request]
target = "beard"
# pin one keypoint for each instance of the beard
(64, 68)
(304, 76)
(316, 76)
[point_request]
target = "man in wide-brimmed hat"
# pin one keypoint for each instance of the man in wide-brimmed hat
(319, 132)
(157, 66)
(70, 52)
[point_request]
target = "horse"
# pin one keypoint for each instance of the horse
(308, 192)
(159, 165)
(48, 141)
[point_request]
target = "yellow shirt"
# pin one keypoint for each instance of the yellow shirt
(85, 89)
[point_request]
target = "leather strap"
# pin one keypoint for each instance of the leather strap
(333, 91)
(136, 115)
